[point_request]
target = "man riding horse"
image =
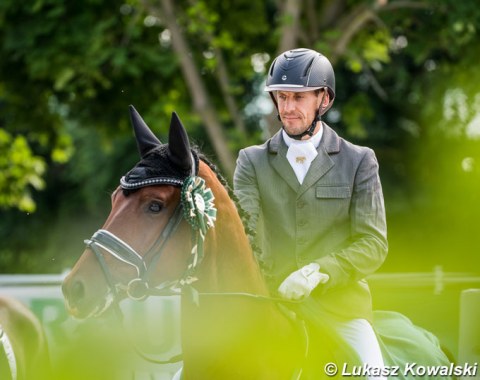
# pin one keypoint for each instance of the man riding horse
(319, 202)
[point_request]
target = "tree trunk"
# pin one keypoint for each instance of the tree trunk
(201, 101)
(223, 78)
(290, 28)
(288, 40)
(224, 81)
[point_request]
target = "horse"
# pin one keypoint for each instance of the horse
(174, 227)
(23, 345)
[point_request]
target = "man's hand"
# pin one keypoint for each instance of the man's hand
(300, 283)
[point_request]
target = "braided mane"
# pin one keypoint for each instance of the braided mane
(244, 216)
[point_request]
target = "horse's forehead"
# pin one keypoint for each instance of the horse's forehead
(158, 192)
(162, 192)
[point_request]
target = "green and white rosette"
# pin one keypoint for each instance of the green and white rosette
(198, 207)
(200, 212)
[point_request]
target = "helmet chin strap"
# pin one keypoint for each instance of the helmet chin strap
(309, 131)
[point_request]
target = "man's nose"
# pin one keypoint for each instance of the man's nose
(288, 105)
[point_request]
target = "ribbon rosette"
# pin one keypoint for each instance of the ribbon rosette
(198, 206)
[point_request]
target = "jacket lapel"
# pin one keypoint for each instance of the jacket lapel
(323, 162)
(278, 158)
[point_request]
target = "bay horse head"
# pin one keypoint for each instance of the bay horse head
(164, 202)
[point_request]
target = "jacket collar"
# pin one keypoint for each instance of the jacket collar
(330, 141)
(329, 144)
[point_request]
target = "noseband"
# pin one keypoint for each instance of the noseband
(196, 207)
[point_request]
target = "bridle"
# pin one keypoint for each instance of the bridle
(197, 208)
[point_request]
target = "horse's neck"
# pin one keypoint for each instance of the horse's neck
(231, 257)
(229, 261)
(225, 336)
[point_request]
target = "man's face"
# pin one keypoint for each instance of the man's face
(298, 109)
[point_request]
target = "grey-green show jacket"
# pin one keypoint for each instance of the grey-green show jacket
(336, 217)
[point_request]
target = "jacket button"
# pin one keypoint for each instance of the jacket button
(300, 204)
(302, 223)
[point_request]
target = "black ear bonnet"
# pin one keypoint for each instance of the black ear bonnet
(160, 164)
(157, 168)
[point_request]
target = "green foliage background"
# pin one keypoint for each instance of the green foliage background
(407, 86)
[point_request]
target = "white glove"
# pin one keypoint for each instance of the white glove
(300, 283)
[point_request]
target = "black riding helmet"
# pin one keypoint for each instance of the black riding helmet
(301, 70)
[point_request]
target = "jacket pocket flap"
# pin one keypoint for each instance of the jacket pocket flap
(333, 192)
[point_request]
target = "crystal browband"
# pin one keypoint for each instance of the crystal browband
(149, 182)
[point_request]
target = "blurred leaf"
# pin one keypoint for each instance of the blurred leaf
(19, 170)
(357, 113)
(376, 47)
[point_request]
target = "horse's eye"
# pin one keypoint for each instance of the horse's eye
(155, 207)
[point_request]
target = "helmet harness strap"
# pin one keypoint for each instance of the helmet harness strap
(309, 131)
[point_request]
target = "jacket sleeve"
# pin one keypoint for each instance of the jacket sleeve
(246, 188)
(368, 247)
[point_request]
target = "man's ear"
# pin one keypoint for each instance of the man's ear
(325, 96)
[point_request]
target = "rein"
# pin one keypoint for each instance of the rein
(165, 292)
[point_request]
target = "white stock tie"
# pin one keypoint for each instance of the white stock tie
(300, 155)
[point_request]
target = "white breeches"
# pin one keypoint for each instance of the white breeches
(359, 334)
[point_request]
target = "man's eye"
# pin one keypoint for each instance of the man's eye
(155, 207)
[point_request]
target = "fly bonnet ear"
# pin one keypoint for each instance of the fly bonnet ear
(161, 164)
(178, 144)
(146, 140)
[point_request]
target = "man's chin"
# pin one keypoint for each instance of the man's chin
(293, 130)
